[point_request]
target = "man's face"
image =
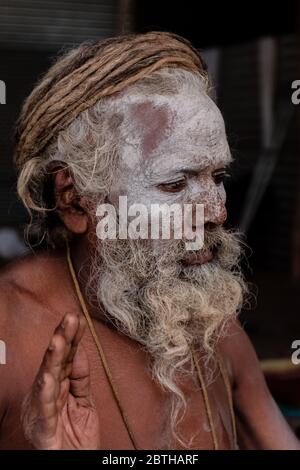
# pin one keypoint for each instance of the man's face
(175, 151)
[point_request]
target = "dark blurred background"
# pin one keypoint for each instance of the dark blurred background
(252, 52)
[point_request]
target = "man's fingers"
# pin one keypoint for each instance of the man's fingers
(39, 409)
(68, 327)
(80, 377)
(47, 396)
(56, 355)
(59, 356)
(77, 338)
(64, 371)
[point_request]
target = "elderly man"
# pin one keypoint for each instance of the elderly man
(127, 343)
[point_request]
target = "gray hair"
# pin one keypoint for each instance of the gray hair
(89, 147)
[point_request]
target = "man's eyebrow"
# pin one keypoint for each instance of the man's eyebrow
(192, 170)
(195, 170)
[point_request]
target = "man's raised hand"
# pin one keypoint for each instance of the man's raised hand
(59, 413)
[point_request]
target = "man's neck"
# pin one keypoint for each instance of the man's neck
(81, 259)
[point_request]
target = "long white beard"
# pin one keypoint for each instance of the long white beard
(150, 296)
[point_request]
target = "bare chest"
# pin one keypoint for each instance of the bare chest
(135, 411)
(140, 417)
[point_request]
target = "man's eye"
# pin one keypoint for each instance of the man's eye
(174, 186)
(220, 176)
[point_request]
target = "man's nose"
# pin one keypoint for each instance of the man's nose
(215, 212)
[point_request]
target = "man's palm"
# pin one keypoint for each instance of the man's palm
(58, 413)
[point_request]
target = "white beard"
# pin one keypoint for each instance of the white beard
(151, 297)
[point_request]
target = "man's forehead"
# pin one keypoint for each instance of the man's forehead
(152, 122)
(163, 129)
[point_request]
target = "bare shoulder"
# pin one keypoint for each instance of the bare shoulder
(27, 286)
(260, 423)
(239, 355)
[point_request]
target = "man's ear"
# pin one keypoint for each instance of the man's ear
(70, 207)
